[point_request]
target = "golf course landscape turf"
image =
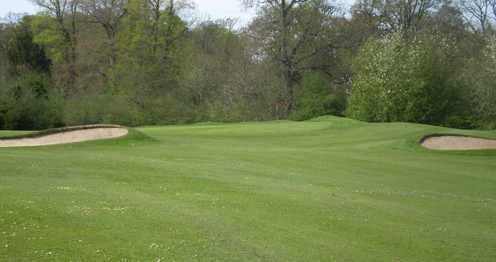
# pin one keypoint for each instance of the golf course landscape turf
(327, 189)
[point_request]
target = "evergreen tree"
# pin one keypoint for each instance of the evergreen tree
(26, 55)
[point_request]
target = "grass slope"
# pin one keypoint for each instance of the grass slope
(329, 189)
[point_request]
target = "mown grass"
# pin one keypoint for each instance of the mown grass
(329, 189)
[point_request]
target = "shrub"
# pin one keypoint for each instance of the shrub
(29, 102)
(315, 97)
(88, 109)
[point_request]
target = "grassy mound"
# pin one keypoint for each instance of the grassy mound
(328, 189)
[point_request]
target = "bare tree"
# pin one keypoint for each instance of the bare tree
(107, 13)
(477, 13)
(367, 18)
(408, 14)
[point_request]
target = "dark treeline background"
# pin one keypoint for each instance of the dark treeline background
(152, 62)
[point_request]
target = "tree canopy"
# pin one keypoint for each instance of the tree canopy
(154, 62)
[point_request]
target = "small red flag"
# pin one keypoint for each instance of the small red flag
(277, 104)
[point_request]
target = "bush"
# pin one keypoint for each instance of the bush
(89, 109)
(315, 97)
(29, 102)
(101, 108)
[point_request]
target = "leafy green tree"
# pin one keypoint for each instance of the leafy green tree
(152, 27)
(478, 81)
(57, 28)
(408, 79)
(151, 53)
(28, 99)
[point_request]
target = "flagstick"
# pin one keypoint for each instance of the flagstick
(277, 113)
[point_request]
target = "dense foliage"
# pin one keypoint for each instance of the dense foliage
(402, 79)
(144, 62)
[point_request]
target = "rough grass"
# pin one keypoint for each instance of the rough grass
(329, 189)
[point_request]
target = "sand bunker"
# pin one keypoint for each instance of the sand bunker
(66, 135)
(449, 142)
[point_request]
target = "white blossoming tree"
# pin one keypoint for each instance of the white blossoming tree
(479, 79)
(403, 78)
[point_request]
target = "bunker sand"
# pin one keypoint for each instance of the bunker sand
(449, 142)
(66, 135)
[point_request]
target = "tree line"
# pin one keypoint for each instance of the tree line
(154, 62)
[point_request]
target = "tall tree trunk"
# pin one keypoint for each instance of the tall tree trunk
(289, 81)
(286, 59)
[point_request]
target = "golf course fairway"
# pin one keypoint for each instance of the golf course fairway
(327, 189)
